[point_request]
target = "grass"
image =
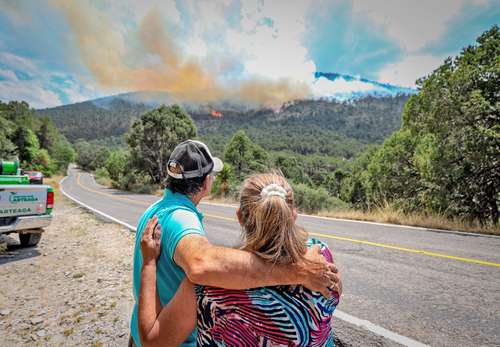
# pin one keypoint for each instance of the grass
(54, 182)
(104, 181)
(431, 221)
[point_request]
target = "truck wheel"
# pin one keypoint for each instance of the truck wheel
(29, 239)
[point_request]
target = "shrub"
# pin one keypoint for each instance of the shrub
(309, 199)
(102, 176)
(137, 183)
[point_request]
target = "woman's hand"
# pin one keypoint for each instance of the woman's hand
(150, 241)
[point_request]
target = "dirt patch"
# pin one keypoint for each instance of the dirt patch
(73, 289)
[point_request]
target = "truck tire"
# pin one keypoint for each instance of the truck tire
(29, 239)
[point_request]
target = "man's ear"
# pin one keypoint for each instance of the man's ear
(240, 218)
(206, 185)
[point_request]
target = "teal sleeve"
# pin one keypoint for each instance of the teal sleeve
(175, 226)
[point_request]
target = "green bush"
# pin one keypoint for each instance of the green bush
(62, 155)
(309, 199)
(102, 176)
(116, 163)
(42, 162)
(335, 203)
(137, 183)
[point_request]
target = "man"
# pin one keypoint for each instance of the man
(185, 250)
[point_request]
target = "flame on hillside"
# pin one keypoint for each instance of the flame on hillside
(216, 114)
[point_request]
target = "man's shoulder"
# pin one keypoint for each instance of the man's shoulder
(176, 213)
(179, 217)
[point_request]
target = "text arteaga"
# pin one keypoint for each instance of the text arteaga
(14, 210)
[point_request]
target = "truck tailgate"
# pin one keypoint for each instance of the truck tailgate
(22, 200)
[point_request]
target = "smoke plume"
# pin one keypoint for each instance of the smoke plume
(157, 62)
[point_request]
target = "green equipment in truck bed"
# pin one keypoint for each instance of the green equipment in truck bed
(10, 173)
(9, 167)
(14, 180)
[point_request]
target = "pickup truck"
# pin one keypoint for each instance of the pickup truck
(24, 209)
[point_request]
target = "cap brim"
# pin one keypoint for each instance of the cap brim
(218, 165)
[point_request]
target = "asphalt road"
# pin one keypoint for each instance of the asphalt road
(437, 288)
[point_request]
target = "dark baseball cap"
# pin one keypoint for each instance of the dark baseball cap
(191, 159)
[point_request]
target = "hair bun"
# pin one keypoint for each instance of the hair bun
(273, 189)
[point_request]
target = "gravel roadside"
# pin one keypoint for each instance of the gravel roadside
(74, 289)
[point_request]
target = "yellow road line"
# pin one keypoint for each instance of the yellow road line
(329, 236)
(409, 250)
(137, 202)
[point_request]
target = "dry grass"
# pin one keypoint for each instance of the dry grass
(54, 183)
(391, 216)
(104, 181)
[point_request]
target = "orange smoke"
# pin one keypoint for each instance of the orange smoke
(110, 60)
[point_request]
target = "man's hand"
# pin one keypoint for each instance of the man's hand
(318, 274)
(150, 241)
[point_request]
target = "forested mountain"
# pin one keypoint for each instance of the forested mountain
(305, 127)
(89, 120)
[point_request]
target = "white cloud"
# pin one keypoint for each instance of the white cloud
(8, 75)
(16, 62)
(413, 24)
(270, 41)
(406, 71)
(40, 86)
(266, 42)
(325, 87)
(31, 91)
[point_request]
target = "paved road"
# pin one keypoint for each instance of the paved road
(437, 288)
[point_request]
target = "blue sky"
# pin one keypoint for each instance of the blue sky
(57, 52)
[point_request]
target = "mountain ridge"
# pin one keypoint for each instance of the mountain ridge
(325, 86)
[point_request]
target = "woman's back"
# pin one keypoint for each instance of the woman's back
(269, 316)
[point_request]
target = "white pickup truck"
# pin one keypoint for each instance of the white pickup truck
(24, 208)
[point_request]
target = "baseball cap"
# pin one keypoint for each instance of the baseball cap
(191, 159)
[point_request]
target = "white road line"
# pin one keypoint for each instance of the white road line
(102, 214)
(403, 340)
(367, 325)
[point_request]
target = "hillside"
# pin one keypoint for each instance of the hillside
(305, 127)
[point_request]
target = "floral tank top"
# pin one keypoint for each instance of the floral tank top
(267, 316)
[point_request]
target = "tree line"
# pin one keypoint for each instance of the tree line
(34, 141)
(445, 159)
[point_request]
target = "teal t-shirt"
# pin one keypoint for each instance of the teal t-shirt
(178, 217)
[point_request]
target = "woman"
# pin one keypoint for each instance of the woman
(270, 316)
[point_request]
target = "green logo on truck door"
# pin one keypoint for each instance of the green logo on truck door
(15, 198)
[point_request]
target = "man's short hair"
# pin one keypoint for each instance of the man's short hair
(187, 186)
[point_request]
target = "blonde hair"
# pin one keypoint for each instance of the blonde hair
(269, 228)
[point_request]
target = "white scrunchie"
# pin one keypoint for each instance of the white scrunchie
(273, 189)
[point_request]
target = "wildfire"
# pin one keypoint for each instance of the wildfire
(216, 114)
